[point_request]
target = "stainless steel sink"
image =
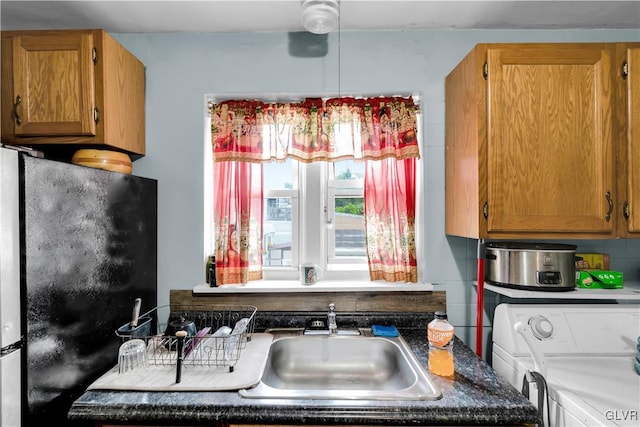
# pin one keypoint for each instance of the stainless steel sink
(342, 367)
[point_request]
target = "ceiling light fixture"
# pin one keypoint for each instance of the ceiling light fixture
(320, 16)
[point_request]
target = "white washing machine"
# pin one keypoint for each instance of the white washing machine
(585, 355)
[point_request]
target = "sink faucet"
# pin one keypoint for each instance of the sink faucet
(331, 320)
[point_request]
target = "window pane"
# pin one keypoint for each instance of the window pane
(349, 227)
(348, 169)
(277, 222)
(277, 231)
(278, 175)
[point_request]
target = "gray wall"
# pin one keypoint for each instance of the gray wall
(182, 68)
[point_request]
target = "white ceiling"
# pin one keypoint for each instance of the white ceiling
(284, 15)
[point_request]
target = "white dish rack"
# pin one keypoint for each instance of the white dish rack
(204, 348)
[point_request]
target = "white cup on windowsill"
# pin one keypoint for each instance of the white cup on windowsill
(309, 274)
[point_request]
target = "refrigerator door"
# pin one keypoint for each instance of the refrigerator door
(90, 250)
(10, 325)
(10, 318)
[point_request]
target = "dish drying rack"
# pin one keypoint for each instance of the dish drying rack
(202, 348)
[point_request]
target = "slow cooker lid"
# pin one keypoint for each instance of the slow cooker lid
(531, 246)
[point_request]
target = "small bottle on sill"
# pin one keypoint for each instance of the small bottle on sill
(211, 271)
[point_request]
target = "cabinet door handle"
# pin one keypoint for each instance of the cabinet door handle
(15, 110)
(610, 201)
(626, 210)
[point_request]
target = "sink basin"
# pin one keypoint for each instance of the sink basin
(342, 367)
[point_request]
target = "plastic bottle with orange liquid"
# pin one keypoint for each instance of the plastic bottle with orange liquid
(440, 334)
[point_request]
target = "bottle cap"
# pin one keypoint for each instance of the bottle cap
(440, 315)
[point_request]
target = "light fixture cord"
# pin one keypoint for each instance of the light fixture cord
(339, 43)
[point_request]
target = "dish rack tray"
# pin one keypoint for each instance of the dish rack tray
(203, 347)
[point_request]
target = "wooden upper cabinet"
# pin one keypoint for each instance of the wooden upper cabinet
(77, 87)
(529, 146)
(53, 81)
(628, 60)
(550, 152)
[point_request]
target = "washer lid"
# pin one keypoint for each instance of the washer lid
(596, 390)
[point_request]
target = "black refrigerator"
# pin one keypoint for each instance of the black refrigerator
(79, 245)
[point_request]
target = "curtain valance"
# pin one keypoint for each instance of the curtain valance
(315, 129)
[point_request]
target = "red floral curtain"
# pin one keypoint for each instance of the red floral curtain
(313, 130)
(380, 130)
(238, 221)
(390, 212)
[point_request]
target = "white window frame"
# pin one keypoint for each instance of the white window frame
(310, 209)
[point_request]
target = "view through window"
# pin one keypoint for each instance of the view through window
(342, 212)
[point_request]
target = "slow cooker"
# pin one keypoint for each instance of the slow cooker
(531, 266)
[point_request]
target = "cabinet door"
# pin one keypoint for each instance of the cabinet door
(550, 153)
(53, 79)
(633, 137)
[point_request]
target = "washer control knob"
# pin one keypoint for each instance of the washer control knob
(541, 327)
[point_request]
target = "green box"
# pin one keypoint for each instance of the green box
(599, 279)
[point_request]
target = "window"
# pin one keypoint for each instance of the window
(312, 212)
(327, 229)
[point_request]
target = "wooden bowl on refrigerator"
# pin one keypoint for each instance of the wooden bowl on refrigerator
(103, 159)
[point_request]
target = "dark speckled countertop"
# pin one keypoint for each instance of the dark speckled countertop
(476, 396)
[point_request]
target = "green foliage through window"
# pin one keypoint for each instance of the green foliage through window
(354, 206)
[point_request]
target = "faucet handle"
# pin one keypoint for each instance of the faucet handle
(331, 317)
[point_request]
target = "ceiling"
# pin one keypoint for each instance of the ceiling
(284, 15)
